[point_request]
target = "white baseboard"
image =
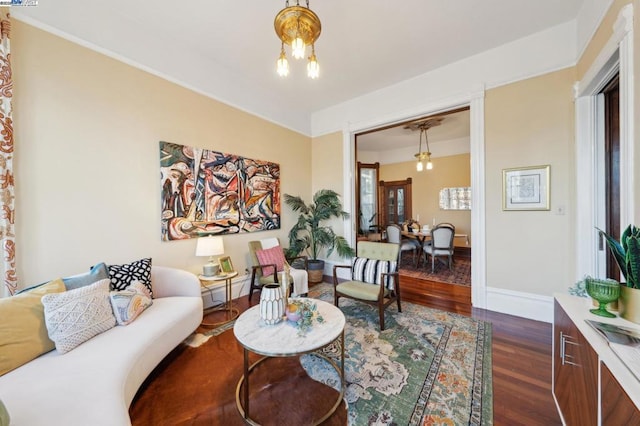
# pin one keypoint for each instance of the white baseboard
(521, 304)
(518, 303)
(214, 294)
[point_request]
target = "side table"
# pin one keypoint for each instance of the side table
(227, 306)
(283, 340)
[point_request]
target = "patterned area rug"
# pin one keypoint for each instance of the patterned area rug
(460, 273)
(428, 367)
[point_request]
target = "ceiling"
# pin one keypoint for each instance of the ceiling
(228, 48)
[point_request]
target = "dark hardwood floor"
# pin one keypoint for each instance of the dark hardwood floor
(521, 368)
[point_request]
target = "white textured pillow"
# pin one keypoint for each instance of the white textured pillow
(75, 316)
(131, 302)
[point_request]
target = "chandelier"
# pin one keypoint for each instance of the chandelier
(423, 126)
(297, 26)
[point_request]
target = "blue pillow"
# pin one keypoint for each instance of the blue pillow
(98, 272)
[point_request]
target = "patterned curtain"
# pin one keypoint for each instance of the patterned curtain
(7, 194)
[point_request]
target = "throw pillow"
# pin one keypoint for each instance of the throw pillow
(96, 273)
(271, 256)
(23, 335)
(128, 304)
(123, 275)
(75, 316)
(371, 270)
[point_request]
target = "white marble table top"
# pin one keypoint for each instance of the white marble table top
(282, 339)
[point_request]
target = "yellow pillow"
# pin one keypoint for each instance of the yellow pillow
(23, 335)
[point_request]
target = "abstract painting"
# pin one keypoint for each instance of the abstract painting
(206, 192)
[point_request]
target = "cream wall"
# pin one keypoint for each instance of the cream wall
(87, 129)
(328, 173)
(451, 171)
(531, 123)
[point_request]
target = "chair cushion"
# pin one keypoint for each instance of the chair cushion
(360, 290)
(271, 256)
(371, 270)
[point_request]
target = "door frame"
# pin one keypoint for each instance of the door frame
(475, 102)
(616, 56)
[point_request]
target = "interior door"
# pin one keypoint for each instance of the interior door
(395, 201)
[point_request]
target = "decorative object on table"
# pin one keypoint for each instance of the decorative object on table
(525, 188)
(302, 312)
(284, 283)
(206, 192)
(226, 267)
(603, 290)
(210, 246)
(578, 289)
(311, 236)
(626, 252)
(271, 304)
(297, 26)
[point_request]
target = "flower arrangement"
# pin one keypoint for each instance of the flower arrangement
(301, 313)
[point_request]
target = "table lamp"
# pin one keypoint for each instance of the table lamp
(210, 246)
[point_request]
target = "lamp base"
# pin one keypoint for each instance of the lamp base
(210, 269)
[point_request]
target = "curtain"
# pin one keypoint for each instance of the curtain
(7, 193)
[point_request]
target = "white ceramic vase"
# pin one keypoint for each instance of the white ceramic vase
(271, 304)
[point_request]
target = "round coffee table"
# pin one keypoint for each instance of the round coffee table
(284, 340)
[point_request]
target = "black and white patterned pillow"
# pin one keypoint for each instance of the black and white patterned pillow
(371, 270)
(122, 276)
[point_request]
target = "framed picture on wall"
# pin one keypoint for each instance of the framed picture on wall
(226, 267)
(525, 188)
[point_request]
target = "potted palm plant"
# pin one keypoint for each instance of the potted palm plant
(627, 255)
(310, 235)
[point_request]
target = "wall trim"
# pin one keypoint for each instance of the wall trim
(214, 293)
(526, 305)
(617, 55)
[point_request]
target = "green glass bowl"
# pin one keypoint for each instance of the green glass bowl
(604, 291)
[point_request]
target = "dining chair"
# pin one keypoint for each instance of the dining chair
(441, 244)
(374, 277)
(394, 235)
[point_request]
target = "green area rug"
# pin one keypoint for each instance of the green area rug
(428, 367)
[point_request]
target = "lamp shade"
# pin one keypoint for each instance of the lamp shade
(209, 246)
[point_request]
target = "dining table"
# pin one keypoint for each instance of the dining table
(423, 236)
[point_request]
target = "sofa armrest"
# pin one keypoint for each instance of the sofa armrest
(167, 282)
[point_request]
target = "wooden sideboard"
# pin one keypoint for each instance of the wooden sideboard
(591, 385)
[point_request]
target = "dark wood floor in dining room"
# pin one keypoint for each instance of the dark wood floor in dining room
(521, 362)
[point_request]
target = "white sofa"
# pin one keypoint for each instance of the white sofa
(95, 383)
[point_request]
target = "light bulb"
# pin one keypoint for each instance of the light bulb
(313, 69)
(282, 65)
(429, 163)
(419, 166)
(297, 48)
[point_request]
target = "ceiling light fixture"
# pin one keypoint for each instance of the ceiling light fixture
(423, 126)
(297, 26)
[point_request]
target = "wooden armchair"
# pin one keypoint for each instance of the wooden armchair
(267, 271)
(378, 285)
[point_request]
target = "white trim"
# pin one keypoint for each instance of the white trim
(478, 207)
(239, 287)
(475, 101)
(616, 55)
(521, 304)
(625, 23)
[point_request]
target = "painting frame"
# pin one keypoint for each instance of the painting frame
(526, 188)
(226, 266)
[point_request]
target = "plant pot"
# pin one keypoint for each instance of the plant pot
(315, 269)
(629, 304)
(271, 304)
